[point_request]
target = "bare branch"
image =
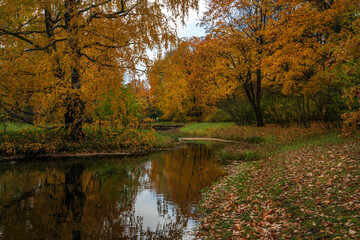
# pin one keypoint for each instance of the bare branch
(96, 60)
(93, 6)
(45, 31)
(6, 32)
(46, 47)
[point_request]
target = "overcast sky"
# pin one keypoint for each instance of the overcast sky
(191, 29)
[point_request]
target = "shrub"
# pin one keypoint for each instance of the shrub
(254, 139)
(218, 115)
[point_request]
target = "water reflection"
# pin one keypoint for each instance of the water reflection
(150, 197)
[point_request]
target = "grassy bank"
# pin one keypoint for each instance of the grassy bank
(258, 142)
(293, 184)
(27, 140)
(270, 133)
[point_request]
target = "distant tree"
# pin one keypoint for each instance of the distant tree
(176, 86)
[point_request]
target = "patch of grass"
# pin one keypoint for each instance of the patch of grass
(314, 140)
(205, 128)
(10, 127)
(225, 155)
(251, 155)
(162, 141)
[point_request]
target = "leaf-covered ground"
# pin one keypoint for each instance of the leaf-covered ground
(307, 193)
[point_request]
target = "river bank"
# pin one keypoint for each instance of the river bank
(19, 141)
(288, 184)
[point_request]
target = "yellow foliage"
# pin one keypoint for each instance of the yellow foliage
(59, 58)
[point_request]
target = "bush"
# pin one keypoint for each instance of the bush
(218, 115)
(189, 119)
(179, 118)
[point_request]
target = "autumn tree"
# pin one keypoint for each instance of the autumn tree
(219, 84)
(304, 37)
(58, 57)
(176, 89)
(241, 26)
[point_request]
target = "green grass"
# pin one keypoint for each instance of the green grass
(163, 141)
(314, 140)
(204, 128)
(254, 139)
(17, 127)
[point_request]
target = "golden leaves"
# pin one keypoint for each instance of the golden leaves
(53, 51)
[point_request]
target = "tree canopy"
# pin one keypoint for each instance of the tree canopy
(289, 59)
(60, 58)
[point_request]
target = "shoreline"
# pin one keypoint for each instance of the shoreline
(24, 157)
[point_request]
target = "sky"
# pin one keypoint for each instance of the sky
(191, 29)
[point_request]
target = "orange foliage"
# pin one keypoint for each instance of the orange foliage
(60, 59)
(176, 86)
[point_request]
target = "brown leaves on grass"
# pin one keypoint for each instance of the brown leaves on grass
(273, 132)
(310, 193)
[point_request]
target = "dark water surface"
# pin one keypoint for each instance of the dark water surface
(146, 197)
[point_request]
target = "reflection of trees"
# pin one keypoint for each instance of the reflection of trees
(66, 200)
(181, 174)
(75, 197)
(70, 204)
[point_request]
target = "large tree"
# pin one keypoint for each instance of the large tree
(59, 56)
(241, 27)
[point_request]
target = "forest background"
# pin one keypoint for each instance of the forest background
(69, 69)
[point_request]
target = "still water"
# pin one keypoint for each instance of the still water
(146, 197)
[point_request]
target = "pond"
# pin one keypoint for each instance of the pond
(142, 197)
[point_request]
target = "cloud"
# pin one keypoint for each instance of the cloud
(190, 29)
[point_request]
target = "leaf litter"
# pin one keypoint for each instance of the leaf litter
(308, 193)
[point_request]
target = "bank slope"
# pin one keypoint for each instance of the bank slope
(310, 193)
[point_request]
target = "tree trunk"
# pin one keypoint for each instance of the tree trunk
(259, 117)
(74, 116)
(258, 113)
(254, 96)
(74, 104)
(75, 198)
